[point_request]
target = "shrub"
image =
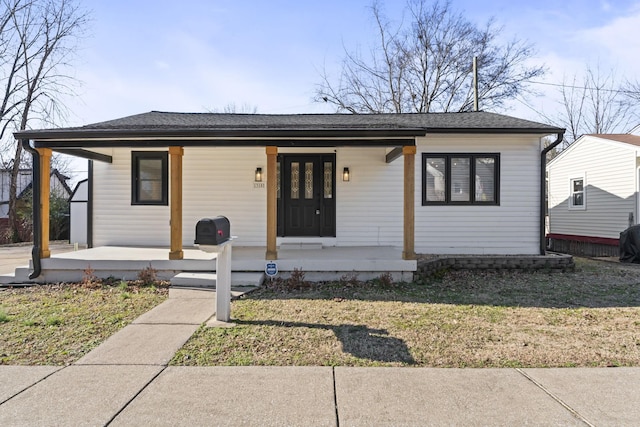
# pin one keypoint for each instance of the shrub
(89, 279)
(148, 276)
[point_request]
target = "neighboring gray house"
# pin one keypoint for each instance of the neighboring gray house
(593, 193)
(58, 183)
(59, 186)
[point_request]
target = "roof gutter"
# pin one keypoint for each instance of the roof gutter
(543, 189)
(37, 225)
(216, 133)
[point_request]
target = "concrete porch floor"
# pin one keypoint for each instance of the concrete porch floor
(318, 263)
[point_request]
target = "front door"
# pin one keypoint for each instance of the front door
(306, 204)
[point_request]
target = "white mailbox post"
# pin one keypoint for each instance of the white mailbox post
(223, 278)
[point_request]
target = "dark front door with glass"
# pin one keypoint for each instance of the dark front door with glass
(306, 195)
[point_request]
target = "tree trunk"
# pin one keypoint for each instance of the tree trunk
(14, 219)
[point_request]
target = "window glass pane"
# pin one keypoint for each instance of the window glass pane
(328, 180)
(436, 173)
(150, 180)
(485, 179)
(308, 180)
(150, 191)
(578, 199)
(150, 169)
(295, 180)
(460, 174)
(577, 185)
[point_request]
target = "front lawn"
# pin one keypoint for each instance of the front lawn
(590, 317)
(58, 324)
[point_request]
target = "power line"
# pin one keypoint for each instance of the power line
(628, 92)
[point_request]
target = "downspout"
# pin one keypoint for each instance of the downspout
(543, 190)
(37, 226)
(90, 205)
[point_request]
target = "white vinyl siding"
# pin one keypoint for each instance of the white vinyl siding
(115, 220)
(220, 181)
(369, 207)
(510, 228)
(609, 169)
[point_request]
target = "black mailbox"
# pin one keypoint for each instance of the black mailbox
(213, 231)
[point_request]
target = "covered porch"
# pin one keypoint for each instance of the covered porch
(318, 263)
(166, 150)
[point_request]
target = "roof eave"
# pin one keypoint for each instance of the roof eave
(176, 133)
(537, 131)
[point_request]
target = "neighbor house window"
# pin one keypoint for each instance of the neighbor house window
(460, 179)
(150, 178)
(577, 199)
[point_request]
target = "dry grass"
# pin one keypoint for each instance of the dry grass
(463, 319)
(58, 324)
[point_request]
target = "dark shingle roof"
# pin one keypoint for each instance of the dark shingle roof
(471, 120)
(212, 126)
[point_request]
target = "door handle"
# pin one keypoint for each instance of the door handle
(317, 211)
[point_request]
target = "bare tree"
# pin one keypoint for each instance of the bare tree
(425, 65)
(232, 108)
(595, 103)
(37, 38)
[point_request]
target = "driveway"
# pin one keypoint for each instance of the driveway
(13, 256)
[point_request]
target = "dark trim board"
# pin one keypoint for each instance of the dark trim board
(85, 154)
(171, 142)
(393, 154)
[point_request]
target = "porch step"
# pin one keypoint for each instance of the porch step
(20, 276)
(208, 280)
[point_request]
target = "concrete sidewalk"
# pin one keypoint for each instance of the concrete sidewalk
(14, 256)
(126, 382)
(137, 395)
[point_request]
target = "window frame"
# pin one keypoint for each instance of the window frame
(583, 206)
(472, 182)
(136, 156)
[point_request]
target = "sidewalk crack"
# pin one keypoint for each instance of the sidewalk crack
(32, 385)
(556, 398)
(135, 396)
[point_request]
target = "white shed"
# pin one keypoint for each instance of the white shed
(78, 211)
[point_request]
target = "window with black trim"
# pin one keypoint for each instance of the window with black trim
(149, 178)
(460, 179)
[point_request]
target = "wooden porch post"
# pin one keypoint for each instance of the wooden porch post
(175, 154)
(45, 191)
(409, 153)
(272, 212)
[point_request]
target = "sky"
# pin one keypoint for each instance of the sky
(201, 55)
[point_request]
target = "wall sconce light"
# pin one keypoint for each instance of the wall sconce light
(345, 174)
(258, 175)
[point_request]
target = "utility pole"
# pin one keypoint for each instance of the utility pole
(475, 83)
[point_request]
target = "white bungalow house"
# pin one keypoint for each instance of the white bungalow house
(593, 193)
(442, 183)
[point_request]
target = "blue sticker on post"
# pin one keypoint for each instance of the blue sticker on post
(271, 269)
